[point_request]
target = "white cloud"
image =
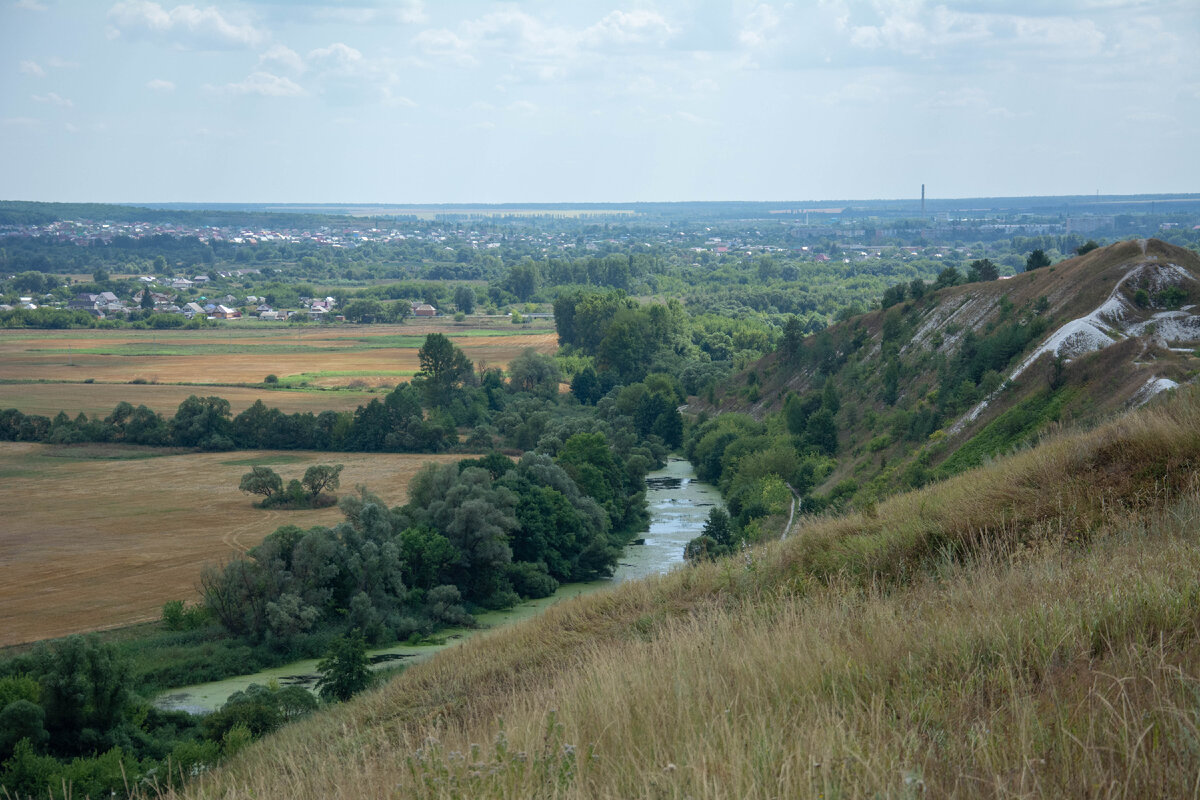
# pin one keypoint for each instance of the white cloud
(30, 5)
(283, 56)
(402, 12)
(523, 107)
(410, 12)
(337, 59)
(20, 122)
(529, 47)
(266, 85)
(53, 99)
(629, 27)
(446, 45)
(760, 27)
(390, 98)
(32, 68)
(160, 85)
(185, 25)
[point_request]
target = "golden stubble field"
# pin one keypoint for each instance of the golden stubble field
(89, 543)
(170, 365)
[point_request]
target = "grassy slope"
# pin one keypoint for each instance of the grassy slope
(1028, 628)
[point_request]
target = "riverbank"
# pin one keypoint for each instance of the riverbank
(678, 504)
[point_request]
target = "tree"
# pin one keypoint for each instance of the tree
(522, 280)
(202, 422)
(983, 270)
(364, 310)
(345, 670)
(264, 481)
(443, 366)
(320, 477)
(950, 276)
(586, 386)
(535, 373)
(1036, 260)
(464, 299)
(718, 527)
(1087, 247)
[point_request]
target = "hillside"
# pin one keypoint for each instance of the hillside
(1027, 628)
(947, 377)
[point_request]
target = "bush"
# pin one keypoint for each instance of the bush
(531, 580)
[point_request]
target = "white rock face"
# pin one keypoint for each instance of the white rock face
(1106, 325)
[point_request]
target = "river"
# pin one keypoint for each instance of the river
(678, 505)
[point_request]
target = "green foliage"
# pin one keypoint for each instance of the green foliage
(177, 618)
(345, 670)
(464, 299)
(262, 481)
(1014, 427)
(534, 373)
(320, 477)
(1036, 260)
(203, 423)
(983, 270)
(443, 368)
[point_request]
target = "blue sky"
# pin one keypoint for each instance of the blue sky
(416, 101)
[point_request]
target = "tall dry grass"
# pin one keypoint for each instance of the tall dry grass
(1027, 630)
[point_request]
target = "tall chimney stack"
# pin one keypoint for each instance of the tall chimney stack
(922, 199)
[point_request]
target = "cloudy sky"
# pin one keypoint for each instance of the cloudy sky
(417, 101)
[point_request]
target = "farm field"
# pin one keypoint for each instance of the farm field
(100, 398)
(138, 366)
(98, 536)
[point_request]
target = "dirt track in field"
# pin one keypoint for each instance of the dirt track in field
(94, 543)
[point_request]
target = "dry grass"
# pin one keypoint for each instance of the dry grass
(336, 356)
(1027, 630)
(96, 542)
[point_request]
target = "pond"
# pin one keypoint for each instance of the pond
(678, 505)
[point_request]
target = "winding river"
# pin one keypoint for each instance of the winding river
(678, 505)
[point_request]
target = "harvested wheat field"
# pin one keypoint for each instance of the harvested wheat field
(98, 536)
(345, 357)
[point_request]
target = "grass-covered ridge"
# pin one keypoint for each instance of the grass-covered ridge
(1027, 628)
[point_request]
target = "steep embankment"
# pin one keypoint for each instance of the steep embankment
(1027, 628)
(943, 379)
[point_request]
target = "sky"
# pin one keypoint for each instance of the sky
(474, 101)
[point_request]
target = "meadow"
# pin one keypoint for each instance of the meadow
(103, 535)
(337, 364)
